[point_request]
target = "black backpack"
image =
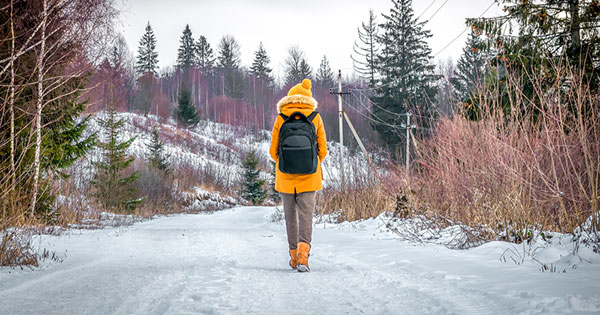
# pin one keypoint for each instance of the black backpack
(298, 144)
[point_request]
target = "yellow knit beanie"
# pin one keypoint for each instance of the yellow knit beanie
(301, 89)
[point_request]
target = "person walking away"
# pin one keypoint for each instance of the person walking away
(298, 146)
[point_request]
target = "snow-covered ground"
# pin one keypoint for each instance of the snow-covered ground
(235, 261)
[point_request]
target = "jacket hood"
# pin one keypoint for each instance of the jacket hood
(296, 99)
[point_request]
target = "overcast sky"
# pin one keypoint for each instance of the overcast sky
(319, 27)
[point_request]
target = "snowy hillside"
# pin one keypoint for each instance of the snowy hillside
(235, 261)
(220, 147)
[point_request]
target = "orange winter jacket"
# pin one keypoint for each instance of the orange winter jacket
(298, 183)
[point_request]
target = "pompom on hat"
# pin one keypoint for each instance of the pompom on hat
(299, 94)
(301, 88)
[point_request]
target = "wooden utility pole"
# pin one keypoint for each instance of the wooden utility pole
(362, 147)
(408, 127)
(354, 133)
(341, 124)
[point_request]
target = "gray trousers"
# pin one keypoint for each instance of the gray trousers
(298, 211)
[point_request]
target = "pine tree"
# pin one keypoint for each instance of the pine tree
(186, 112)
(274, 194)
(186, 54)
(157, 157)
(297, 68)
(204, 55)
(113, 187)
(407, 78)
(147, 59)
(325, 77)
(260, 66)
(366, 50)
(252, 185)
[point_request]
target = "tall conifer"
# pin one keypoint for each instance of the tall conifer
(407, 78)
(186, 54)
(147, 58)
(366, 50)
(325, 77)
(260, 66)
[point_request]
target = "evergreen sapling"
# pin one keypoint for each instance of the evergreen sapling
(113, 186)
(252, 185)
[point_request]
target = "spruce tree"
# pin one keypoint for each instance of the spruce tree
(204, 55)
(112, 186)
(186, 112)
(366, 50)
(186, 54)
(325, 77)
(252, 185)
(157, 157)
(260, 66)
(147, 58)
(64, 143)
(406, 79)
(471, 71)
(543, 32)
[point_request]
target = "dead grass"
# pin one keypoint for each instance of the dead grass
(362, 196)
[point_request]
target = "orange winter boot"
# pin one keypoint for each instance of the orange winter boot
(294, 259)
(303, 249)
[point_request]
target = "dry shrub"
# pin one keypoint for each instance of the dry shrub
(355, 203)
(74, 203)
(362, 197)
(15, 244)
(158, 189)
(210, 175)
(518, 170)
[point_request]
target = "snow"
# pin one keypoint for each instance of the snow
(221, 145)
(235, 261)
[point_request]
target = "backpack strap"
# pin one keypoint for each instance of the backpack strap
(310, 117)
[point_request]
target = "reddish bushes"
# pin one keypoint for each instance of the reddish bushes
(526, 169)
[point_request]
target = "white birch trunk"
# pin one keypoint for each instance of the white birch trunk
(38, 113)
(11, 109)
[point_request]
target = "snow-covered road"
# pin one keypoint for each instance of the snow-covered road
(235, 261)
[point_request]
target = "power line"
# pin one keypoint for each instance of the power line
(418, 17)
(432, 16)
(435, 55)
(378, 120)
(438, 10)
(424, 11)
